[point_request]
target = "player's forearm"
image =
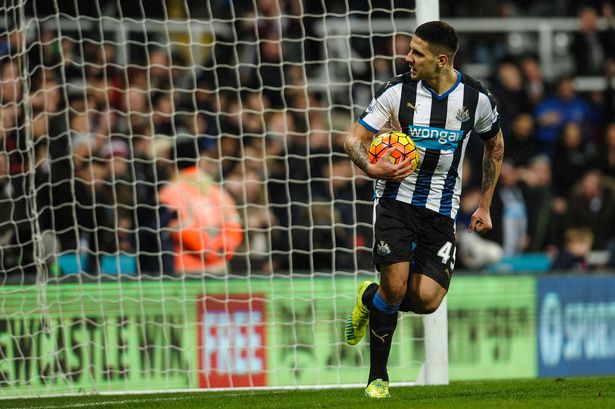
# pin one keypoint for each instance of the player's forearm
(492, 164)
(357, 152)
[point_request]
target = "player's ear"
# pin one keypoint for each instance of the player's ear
(442, 60)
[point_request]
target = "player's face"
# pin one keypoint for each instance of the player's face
(421, 60)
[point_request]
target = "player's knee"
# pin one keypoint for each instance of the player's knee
(394, 292)
(426, 305)
(429, 307)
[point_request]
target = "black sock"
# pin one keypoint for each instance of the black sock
(368, 295)
(381, 329)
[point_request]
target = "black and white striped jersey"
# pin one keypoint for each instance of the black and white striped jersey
(440, 125)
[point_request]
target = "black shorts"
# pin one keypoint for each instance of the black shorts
(425, 238)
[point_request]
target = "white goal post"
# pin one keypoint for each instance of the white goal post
(435, 368)
(176, 209)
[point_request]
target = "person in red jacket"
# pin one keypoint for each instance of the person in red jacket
(208, 227)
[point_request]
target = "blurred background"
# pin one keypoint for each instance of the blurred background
(266, 90)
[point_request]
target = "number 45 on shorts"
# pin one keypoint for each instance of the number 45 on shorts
(446, 252)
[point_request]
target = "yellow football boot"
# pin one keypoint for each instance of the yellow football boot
(377, 389)
(356, 324)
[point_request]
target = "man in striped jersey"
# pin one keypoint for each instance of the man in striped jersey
(414, 249)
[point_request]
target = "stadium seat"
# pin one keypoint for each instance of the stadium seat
(524, 263)
(72, 262)
(119, 264)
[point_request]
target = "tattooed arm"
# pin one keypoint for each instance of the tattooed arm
(355, 146)
(356, 143)
(492, 164)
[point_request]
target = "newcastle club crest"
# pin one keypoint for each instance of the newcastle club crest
(463, 114)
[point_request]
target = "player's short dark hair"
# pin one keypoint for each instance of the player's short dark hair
(439, 34)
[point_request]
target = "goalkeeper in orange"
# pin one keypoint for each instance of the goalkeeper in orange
(414, 228)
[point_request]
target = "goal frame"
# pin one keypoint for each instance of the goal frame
(434, 370)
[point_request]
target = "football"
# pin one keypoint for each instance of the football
(404, 148)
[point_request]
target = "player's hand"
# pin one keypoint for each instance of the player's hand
(384, 169)
(481, 221)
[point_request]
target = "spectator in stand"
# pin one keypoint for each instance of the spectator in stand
(230, 118)
(11, 82)
(605, 158)
(572, 157)
(363, 188)
(280, 130)
(474, 251)
(271, 70)
(608, 36)
(592, 205)
(133, 111)
(538, 192)
(351, 252)
(509, 213)
(153, 244)
(535, 85)
(159, 69)
(296, 28)
(319, 151)
(297, 96)
(254, 256)
(609, 93)
(44, 55)
(208, 228)
(260, 55)
(45, 94)
(10, 45)
(39, 131)
(575, 252)
(182, 80)
(71, 61)
(588, 44)
(521, 144)
(163, 114)
(556, 110)
(254, 107)
(91, 232)
(9, 249)
(296, 86)
(14, 142)
(303, 194)
(401, 42)
(82, 140)
(117, 191)
(508, 89)
(208, 104)
(10, 141)
(381, 67)
(325, 243)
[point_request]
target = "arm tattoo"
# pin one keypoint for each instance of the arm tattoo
(488, 174)
(358, 153)
(494, 154)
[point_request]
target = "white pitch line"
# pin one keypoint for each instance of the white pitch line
(126, 401)
(103, 403)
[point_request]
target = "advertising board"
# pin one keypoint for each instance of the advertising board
(576, 326)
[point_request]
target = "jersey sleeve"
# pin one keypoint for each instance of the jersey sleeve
(380, 109)
(487, 123)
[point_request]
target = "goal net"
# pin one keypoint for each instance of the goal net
(176, 209)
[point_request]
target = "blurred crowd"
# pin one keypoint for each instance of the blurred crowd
(557, 189)
(147, 162)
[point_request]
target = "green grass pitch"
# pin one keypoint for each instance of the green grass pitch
(583, 393)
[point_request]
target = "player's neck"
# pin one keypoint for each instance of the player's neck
(443, 80)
